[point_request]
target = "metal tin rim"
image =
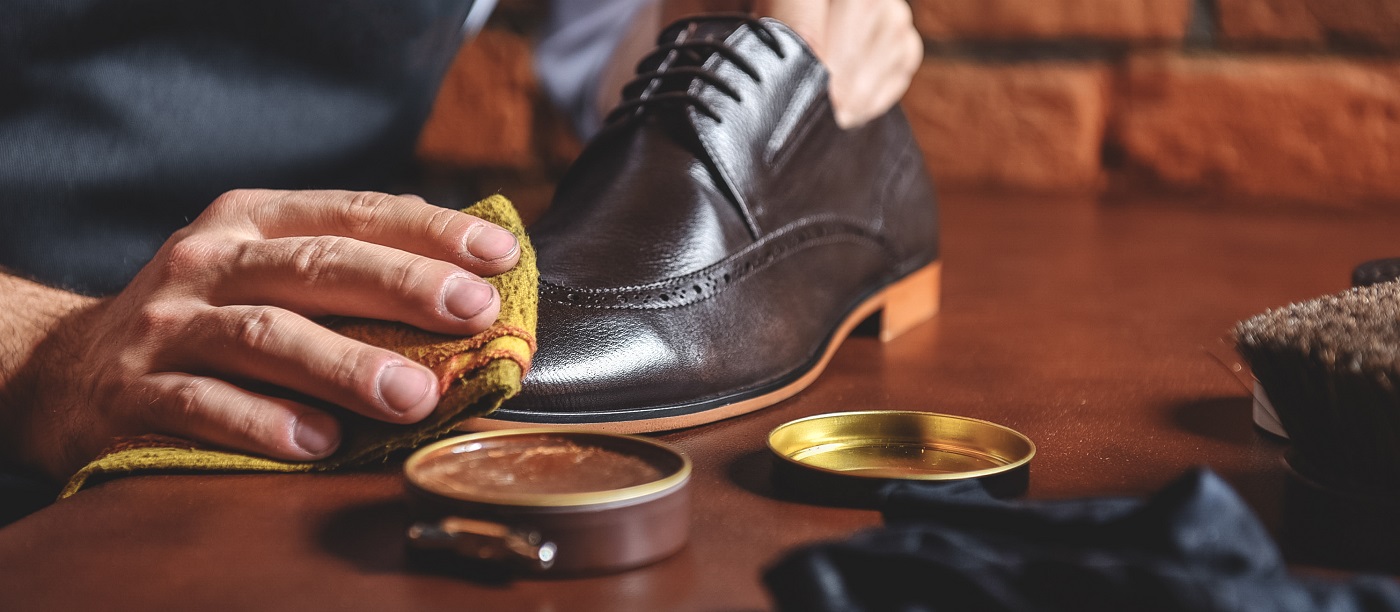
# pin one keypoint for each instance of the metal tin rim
(552, 500)
(1030, 454)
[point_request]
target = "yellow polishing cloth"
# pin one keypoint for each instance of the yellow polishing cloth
(476, 375)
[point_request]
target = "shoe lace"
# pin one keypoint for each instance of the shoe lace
(683, 59)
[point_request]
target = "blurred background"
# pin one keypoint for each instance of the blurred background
(1264, 102)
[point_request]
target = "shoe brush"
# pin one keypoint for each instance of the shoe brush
(1331, 367)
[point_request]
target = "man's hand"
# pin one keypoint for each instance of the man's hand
(209, 338)
(870, 47)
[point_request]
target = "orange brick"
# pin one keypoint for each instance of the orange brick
(1309, 129)
(1051, 19)
(1038, 127)
(1367, 23)
(484, 113)
(1268, 21)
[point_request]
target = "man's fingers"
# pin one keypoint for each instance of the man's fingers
(872, 51)
(404, 223)
(276, 346)
(335, 275)
(211, 410)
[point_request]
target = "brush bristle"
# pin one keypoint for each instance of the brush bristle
(1330, 366)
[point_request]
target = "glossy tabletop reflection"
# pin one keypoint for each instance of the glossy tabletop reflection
(1087, 326)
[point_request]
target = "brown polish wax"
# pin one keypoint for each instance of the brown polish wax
(534, 465)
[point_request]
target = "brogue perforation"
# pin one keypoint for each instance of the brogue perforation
(706, 283)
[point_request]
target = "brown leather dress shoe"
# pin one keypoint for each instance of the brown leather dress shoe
(720, 237)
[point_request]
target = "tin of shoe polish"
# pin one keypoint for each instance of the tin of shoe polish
(551, 500)
(847, 458)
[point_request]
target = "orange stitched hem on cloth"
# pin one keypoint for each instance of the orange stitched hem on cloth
(478, 361)
(449, 367)
(496, 331)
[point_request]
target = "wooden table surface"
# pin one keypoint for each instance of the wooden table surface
(1087, 326)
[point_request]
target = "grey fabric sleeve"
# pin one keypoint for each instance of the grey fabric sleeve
(578, 40)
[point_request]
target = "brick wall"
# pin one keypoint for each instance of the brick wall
(1262, 100)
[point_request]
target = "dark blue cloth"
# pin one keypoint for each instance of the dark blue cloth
(1194, 546)
(120, 120)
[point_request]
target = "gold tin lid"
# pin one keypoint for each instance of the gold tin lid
(546, 468)
(900, 445)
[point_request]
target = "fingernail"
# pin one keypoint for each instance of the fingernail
(466, 298)
(489, 243)
(403, 387)
(316, 433)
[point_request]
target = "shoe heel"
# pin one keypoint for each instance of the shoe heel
(911, 301)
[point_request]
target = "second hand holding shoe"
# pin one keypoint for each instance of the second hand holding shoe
(720, 237)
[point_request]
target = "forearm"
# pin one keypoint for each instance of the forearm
(29, 313)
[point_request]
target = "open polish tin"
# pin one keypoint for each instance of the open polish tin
(848, 458)
(547, 500)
